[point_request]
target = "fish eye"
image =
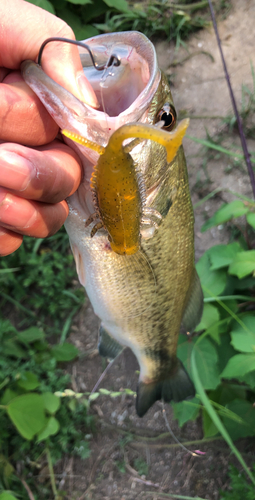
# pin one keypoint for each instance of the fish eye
(168, 115)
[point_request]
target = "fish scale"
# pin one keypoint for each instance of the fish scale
(142, 299)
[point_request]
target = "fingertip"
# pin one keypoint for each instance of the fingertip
(9, 241)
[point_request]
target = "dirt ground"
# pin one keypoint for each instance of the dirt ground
(139, 468)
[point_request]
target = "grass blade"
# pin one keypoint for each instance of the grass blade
(212, 413)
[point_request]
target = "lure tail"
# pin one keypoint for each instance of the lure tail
(175, 386)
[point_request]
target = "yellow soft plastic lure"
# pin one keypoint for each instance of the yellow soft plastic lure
(116, 184)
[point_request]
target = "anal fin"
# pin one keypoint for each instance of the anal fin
(108, 347)
(176, 386)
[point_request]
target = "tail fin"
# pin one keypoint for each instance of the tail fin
(174, 387)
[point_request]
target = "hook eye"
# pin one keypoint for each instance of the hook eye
(112, 61)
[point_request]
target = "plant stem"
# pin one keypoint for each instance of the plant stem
(52, 476)
(17, 304)
(238, 118)
(192, 6)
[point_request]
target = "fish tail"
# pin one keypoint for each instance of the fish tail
(174, 386)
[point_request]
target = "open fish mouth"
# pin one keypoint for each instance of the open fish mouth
(124, 93)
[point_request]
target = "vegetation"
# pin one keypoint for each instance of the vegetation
(174, 20)
(41, 417)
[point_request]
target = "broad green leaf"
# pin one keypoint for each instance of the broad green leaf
(213, 282)
(245, 410)
(120, 5)
(186, 410)
(7, 496)
(243, 264)
(209, 320)
(12, 348)
(8, 396)
(95, 10)
(44, 4)
(239, 365)
(225, 350)
(251, 219)
(64, 352)
(81, 30)
(28, 381)
(52, 427)
(242, 340)
(227, 212)
(51, 402)
(207, 363)
(209, 427)
(31, 335)
(249, 378)
(222, 255)
(27, 414)
(184, 349)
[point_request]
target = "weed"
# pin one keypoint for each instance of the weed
(40, 279)
(239, 487)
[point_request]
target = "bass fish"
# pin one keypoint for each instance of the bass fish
(144, 288)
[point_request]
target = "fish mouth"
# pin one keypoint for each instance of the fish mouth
(124, 92)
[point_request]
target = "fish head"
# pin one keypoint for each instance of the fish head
(135, 91)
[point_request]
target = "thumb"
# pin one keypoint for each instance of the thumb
(22, 36)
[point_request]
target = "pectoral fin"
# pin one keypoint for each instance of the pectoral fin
(176, 386)
(108, 347)
(194, 308)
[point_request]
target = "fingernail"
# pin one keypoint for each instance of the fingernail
(88, 94)
(15, 171)
(16, 212)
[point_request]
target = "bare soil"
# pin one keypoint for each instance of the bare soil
(113, 471)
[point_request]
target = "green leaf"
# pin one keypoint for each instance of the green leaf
(213, 282)
(7, 496)
(93, 396)
(120, 5)
(251, 219)
(31, 335)
(245, 410)
(186, 410)
(81, 31)
(27, 414)
(11, 348)
(207, 363)
(44, 4)
(209, 427)
(80, 2)
(243, 340)
(239, 365)
(243, 264)
(209, 320)
(51, 402)
(64, 352)
(249, 379)
(28, 381)
(105, 392)
(222, 255)
(8, 396)
(227, 212)
(52, 427)
(225, 350)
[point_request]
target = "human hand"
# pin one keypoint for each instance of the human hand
(37, 172)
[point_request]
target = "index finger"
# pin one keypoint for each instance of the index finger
(22, 36)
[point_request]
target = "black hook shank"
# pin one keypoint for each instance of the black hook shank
(113, 59)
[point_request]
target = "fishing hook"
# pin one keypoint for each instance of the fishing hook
(113, 59)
